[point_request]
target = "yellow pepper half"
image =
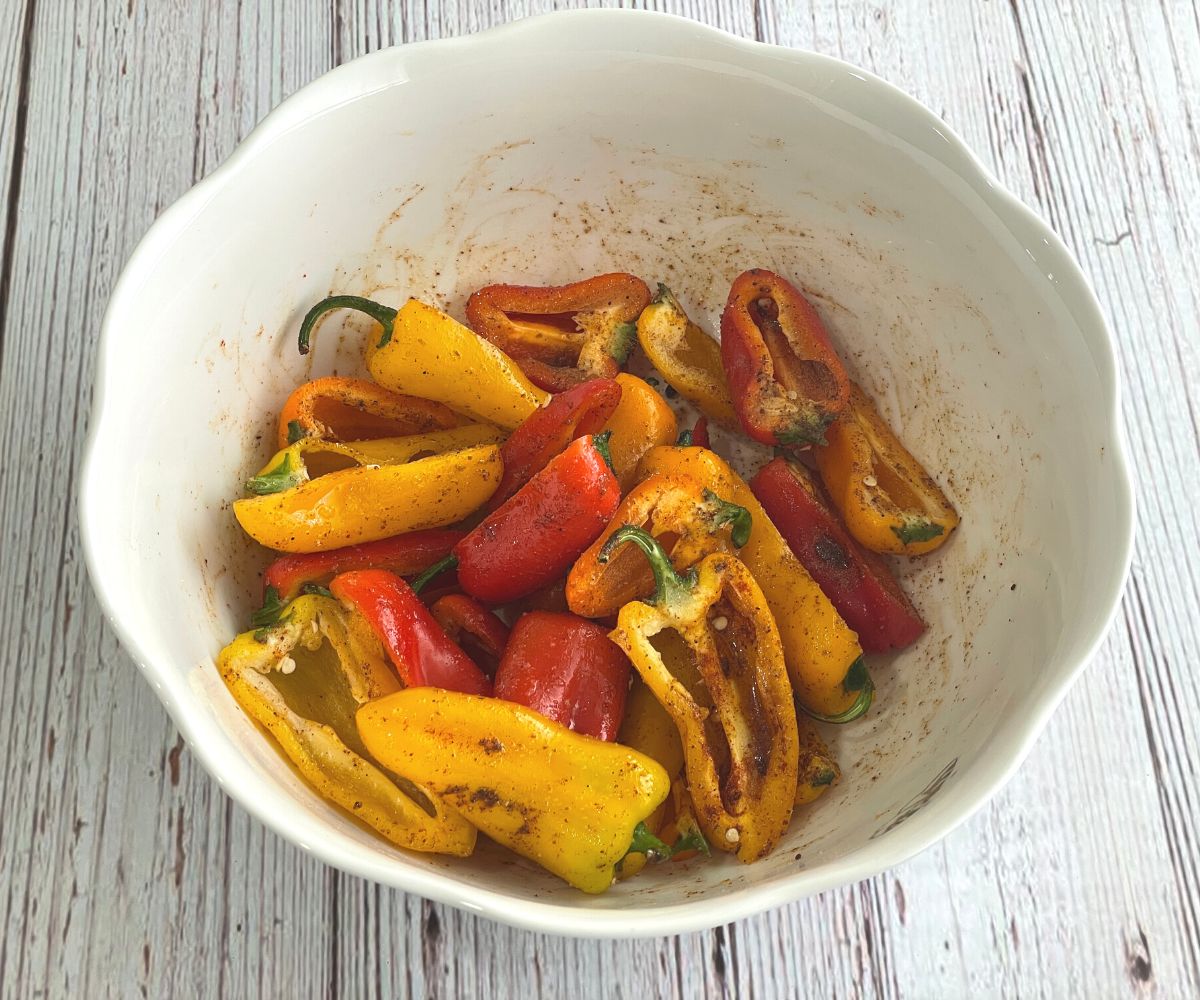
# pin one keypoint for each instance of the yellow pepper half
(885, 496)
(641, 421)
(568, 802)
(688, 358)
(424, 352)
(303, 679)
(726, 688)
(822, 652)
(366, 490)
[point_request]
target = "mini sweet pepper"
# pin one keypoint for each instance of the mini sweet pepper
(302, 678)
(785, 378)
(687, 357)
(339, 408)
(563, 335)
(727, 691)
(857, 581)
(887, 499)
(566, 801)
(425, 353)
(317, 495)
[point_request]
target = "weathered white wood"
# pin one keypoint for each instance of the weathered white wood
(123, 869)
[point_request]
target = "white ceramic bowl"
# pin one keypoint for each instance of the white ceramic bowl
(557, 148)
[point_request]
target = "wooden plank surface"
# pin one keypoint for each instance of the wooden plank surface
(124, 870)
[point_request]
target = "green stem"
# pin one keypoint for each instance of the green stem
(667, 583)
(857, 679)
(600, 443)
(385, 316)
(732, 514)
(685, 438)
(441, 566)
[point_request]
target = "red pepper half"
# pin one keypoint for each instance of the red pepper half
(533, 539)
(581, 410)
(403, 554)
(786, 381)
(563, 335)
(858, 582)
(421, 652)
(567, 668)
(478, 631)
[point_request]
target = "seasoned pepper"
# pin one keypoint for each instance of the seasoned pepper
(338, 408)
(688, 358)
(424, 352)
(471, 626)
(785, 378)
(641, 421)
(303, 679)
(726, 688)
(566, 334)
(888, 500)
(374, 489)
(406, 555)
(533, 539)
(417, 645)
(822, 653)
(566, 801)
(567, 668)
(857, 581)
(687, 518)
(580, 410)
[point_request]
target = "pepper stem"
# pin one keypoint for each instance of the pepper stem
(738, 517)
(385, 316)
(438, 567)
(857, 679)
(667, 583)
(685, 438)
(600, 443)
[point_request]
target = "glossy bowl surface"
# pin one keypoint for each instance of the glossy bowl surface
(563, 146)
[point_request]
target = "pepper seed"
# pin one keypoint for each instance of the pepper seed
(870, 482)
(720, 623)
(287, 665)
(732, 835)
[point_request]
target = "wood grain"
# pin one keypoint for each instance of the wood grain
(123, 868)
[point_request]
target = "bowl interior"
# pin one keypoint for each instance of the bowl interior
(430, 171)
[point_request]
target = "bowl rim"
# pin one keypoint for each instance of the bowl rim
(379, 70)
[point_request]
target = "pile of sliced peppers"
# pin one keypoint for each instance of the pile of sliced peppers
(510, 596)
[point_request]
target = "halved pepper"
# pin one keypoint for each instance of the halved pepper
(687, 518)
(303, 679)
(533, 538)
(727, 691)
(477, 631)
(887, 499)
(822, 652)
(580, 410)
(566, 801)
(562, 335)
(857, 581)
(567, 668)
(426, 353)
(385, 490)
(687, 357)
(416, 643)
(641, 421)
(785, 378)
(406, 555)
(339, 408)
